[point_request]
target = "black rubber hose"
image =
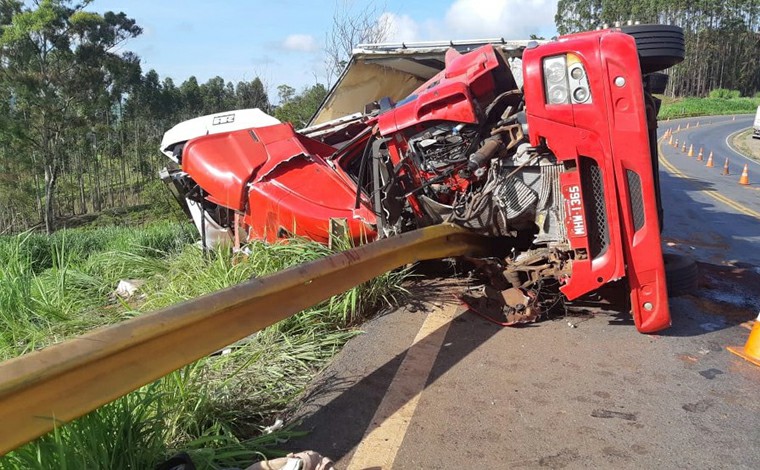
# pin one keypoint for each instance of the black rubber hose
(362, 171)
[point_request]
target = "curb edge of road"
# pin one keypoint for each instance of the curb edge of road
(730, 137)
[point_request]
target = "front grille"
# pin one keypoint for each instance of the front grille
(595, 206)
(637, 200)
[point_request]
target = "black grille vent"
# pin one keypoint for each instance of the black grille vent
(637, 201)
(595, 207)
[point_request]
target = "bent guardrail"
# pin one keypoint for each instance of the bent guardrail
(47, 388)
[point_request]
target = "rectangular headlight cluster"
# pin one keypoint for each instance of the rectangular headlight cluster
(565, 80)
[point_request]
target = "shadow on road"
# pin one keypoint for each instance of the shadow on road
(710, 232)
(347, 404)
(722, 241)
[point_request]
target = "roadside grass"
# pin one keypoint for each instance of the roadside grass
(691, 107)
(746, 144)
(215, 409)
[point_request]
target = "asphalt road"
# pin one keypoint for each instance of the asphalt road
(706, 213)
(431, 386)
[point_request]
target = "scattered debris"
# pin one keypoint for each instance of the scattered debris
(306, 460)
(613, 414)
(699, 407)
(688, 358)
(278, 424)
(127, 288)
(710, 374)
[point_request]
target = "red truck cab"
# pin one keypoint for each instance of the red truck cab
(610, 197)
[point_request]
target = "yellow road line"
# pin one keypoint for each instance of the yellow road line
(713, 194)
(385, 433)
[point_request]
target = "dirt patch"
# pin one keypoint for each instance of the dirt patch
(744, 143)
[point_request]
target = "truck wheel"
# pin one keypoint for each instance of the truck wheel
(660, 46)
(680, 274)
(656, 83)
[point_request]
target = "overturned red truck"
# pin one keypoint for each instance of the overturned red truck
(548, 148)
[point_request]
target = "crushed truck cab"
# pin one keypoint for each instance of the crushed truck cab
(548, 148)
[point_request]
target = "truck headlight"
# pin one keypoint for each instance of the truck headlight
(555, 80)
(558, 94)
(565, 80)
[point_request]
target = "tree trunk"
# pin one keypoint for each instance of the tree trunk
(82, 193)
(50, 180)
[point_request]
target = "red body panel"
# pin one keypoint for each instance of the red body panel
(450, 95)
(449, 101)
(280, 179)
(222, 164)
(612, 130)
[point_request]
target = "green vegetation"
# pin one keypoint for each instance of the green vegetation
(299, 108)
(746, 144)
(714, 105)
(54, 287)
(80, 133)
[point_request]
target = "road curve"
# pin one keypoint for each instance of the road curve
(709, 214)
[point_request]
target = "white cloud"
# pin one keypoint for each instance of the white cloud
(510, 19)
(300, 43)
(477, 19)
(401, 28)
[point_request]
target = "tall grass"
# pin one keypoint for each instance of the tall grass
(214, 409)
(52, 287)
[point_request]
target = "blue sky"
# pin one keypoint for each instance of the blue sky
(281, 41)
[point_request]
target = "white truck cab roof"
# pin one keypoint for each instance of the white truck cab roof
(213, 124)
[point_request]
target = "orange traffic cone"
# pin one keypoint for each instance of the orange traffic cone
(700, 157)
(744, 178)
(691, 150)
(710, 163)
(687, 125)
(725, 167)
(751, 350)
(697, 124)
(679, 128)
(734, 119)
(683, 149)
(676, 144)
(670, 142)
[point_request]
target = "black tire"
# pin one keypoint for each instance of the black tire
(656, 83)
(659, 46)
(681, 273)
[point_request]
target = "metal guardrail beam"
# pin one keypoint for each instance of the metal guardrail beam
(47, 388)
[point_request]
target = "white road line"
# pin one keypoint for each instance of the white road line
(731, 147)
(386, 432)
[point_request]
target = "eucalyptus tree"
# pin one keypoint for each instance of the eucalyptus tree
(722, 37)
(58, 64)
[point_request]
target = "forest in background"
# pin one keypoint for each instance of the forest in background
(81, 122)
(722, 37)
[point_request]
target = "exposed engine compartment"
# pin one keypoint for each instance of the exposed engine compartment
(481, 173)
